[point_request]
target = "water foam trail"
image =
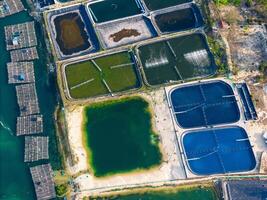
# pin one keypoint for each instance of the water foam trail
(6, 127)
(198, 158)
(198, 58)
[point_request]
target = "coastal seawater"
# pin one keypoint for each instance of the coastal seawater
(16, 182)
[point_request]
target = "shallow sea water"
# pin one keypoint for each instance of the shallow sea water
(15, 179)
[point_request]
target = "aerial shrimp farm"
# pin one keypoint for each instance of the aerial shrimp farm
(137, 107)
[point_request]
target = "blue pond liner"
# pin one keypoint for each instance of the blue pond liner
(204, 104)
(249, 108)
(90, 29)
(218, 151)
(44, 3)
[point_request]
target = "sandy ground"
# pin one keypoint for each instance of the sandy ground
(74, 119)
(248, 48)
(257, 128)
(170, 169)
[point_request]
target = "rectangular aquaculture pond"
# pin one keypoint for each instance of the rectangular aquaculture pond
(118, 136)
(102, 75)
(126, 31)
(160, 4)
(107, 10)
(72, 32)
(178, 20)
(204, 104)
(178, 59)
(218, 151)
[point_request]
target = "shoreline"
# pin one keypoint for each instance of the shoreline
(166, 189)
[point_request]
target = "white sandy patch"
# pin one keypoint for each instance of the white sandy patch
(170, 169)
(138, 24)
(74, 120)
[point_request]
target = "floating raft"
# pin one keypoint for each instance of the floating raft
(36, 148)
(20, 72)
(20, 36)
(10, 7)
(43, 182)
(24, 54)
(27, 125)
(27, 99)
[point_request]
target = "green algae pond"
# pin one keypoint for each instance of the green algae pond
(116, 72)
(119, 138)
(179, 20)
(180, 58)
(159, 4)
(15, 178)
(185, 193)
(103, 11)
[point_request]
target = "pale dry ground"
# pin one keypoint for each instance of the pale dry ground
(170, 169)
(74, 123)
(263, 167)
(257, 128)
(248, 43)
(247, 47)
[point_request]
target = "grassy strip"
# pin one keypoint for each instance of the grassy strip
(219, 53)
(205, 191)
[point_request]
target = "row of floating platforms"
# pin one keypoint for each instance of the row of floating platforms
(20, 72)
(10, 7)
(21, 40)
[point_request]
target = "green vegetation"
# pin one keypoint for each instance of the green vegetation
(193, 193)
(263, 67)
(61, 190)
(119, 138)
(228, 2)
(96, 77)
(262, 2)
(263, 70)
(219, 54)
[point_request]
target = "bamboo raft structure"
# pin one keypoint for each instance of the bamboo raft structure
(27, 99)
(27, 125)
(42, 176)
(24, 54)
(20, 72)
(36, 148)
(20, 36)
(10, 7)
